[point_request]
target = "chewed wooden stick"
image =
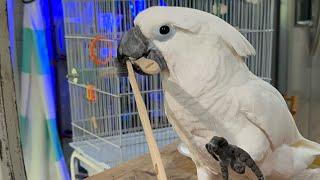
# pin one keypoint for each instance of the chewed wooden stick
(153, 148)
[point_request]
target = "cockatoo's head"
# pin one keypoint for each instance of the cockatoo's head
(176, 39)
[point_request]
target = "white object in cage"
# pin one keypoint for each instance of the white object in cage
(106, 125)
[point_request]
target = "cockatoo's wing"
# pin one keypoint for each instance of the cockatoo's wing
(264, 107)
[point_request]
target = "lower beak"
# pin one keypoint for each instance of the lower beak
(134, 46)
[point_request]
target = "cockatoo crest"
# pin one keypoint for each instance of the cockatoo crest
(193, 21)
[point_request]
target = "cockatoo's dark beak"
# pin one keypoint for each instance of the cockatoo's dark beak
(134, 46)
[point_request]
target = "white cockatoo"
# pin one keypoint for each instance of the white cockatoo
(210, 91)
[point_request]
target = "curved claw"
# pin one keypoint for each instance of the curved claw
(224, 170)
(238, 167)
(210, 150)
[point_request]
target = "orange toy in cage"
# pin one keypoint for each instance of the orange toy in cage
(92, 50)
(91, 93)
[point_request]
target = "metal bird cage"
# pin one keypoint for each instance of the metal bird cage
(106, 125)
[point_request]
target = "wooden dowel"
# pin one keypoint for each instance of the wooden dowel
(144, 117)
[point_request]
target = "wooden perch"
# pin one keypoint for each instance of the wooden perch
(178, 167)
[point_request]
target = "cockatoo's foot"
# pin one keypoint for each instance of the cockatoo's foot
(205, 174)
(231, 155)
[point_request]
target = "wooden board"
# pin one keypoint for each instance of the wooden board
(177, 166)
(11, 159)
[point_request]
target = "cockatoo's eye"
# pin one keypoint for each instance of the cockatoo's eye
(164, 32)
(165, 29)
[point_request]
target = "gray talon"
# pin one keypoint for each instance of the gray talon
(231, 155)
(238, 167)
(249, 163)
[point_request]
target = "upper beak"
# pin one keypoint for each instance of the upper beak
(134, 46)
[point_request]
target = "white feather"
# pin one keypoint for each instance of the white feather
(289, 161)
(308, 174)
(223, 9)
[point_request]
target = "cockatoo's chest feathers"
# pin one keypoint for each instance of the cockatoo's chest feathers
(213, 111)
